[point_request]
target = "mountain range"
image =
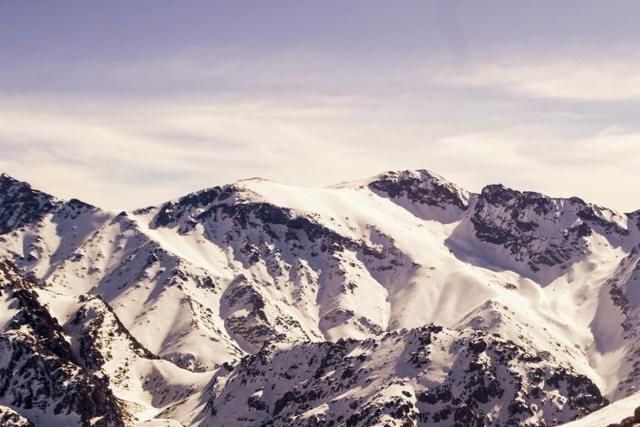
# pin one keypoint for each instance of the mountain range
(398, 300)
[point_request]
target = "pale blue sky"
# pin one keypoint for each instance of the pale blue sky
(128, 103)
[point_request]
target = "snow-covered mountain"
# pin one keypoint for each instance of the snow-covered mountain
(397, 300)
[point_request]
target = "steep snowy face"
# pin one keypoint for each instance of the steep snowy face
(426, 376)
(616, 324)
(426, 195)
(38, 231)
(539, 233)
(144, 383)
(95, 329)
(86, 370)
(186, 211)
(170, 305)
(21, 205)
(293, 277)
(162, 299)
(39, 374)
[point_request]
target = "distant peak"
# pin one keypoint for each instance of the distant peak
(4, 177)
(79, 205)
(9, 183)
(415, 189)
(498, 193)
(170, 212)
(20, 204)
(417, 177)
(423, 174)
(253, 179)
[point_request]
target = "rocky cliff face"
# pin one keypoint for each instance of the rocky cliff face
(540, 236)
(427, 195)
(39, 373)
(21, 205)
(539, 230)
(426, 376)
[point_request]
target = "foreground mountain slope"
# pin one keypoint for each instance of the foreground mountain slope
(163, 299)
(88, 371)
(623, 413)
(426, 376)
(79, 249)
(40, 377)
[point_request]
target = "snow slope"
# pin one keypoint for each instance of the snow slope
(170, 298)
(611, 414)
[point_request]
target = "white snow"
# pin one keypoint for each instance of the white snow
(611, 414)
(178, 289)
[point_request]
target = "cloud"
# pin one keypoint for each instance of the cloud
(586, 80)
(130, 154)
(600, 168)
(313, 122)
(127, 154)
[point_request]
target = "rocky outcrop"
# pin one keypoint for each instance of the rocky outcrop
(20, 204)
(427, 376)
(423, 193)
(538, 230)
(38, 370)
(11, 418)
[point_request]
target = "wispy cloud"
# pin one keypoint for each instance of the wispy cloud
(313, 120)
(600, 167)
(182, 97)
(127, 154)
(586, 80)
(150, 151)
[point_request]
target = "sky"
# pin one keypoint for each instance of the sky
(125, 103)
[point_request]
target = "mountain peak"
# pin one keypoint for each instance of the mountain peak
(423, 174)
(544, 232)
(20, 204)
(9, 183)
(499, 193)
(8, 179)
(170, 212)
(255, 179)
(300, 287)
(416, 190)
